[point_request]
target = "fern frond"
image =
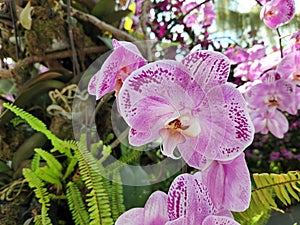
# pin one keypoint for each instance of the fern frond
(116, 196)
(34, 122)
(39, 126)
(41, 194)
(45, 174)
(53, 164)
(71, 167)
(97, 199)
(269, 187)
(76, 205)
(35, 163)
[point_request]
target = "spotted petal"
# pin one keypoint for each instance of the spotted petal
(219, 220)
(208, 68)
(226, 127)
(189, 199)
(154, 92)
(277, 12)
(120, 63)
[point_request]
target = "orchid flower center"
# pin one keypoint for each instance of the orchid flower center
(121, 76)
(272, 12)
(184, 124)
(297, 75)
(272, 101)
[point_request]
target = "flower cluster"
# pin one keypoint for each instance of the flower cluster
(199, 116)
(272, 89)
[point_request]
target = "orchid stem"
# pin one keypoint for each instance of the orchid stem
(258, 2)
(280, 44)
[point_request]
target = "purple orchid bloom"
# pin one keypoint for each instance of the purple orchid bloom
(236, 54)
(190, 106)
(209, 14)
(124, 59)
(295, 41)
(273, 121)
(200, 15)
(272, 93)
(289, 67)
(229, 183)
(188, 202)
(257, 51)
(277, 12)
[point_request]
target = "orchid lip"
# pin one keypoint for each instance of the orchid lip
(186, 125)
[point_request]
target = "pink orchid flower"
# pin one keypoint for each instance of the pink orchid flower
(190, 106)
(295, 41)
(188, 202)
(272, 93)
(200, 15)
(236, 54)
(277, 12)
(289, 67)
(124, 59)
(270, 121)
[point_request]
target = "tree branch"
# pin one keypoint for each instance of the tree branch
(62, 54)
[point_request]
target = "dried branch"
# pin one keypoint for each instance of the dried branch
(62, 54)
(102, 25)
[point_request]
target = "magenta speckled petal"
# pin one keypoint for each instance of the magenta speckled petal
(124, 59)
(208, 68)
(227, 124)
(190, 199)
(219, 220)
(277, 12)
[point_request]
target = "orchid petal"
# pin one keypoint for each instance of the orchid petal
(193, 158)
(277, 12)
(179, 221)
(152, 114)
(92, 85)
(278, 124)
(125, 57)
(133, 216)
(156, 209)
(208, 68)
(170, 139)
(190, 199)
(225, 123)
(229, 184)
(219, 220)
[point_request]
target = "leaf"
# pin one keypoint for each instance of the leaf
(25, 16)
(76, 205)
(52, 162)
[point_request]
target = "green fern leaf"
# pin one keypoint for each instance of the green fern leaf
(39, 126)
(116, 196)
(41, 194)
(53, 164)
(71, 167)
(269, 187)
(97, 199)
(45, 174)
(35, 163)
(76, 205)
